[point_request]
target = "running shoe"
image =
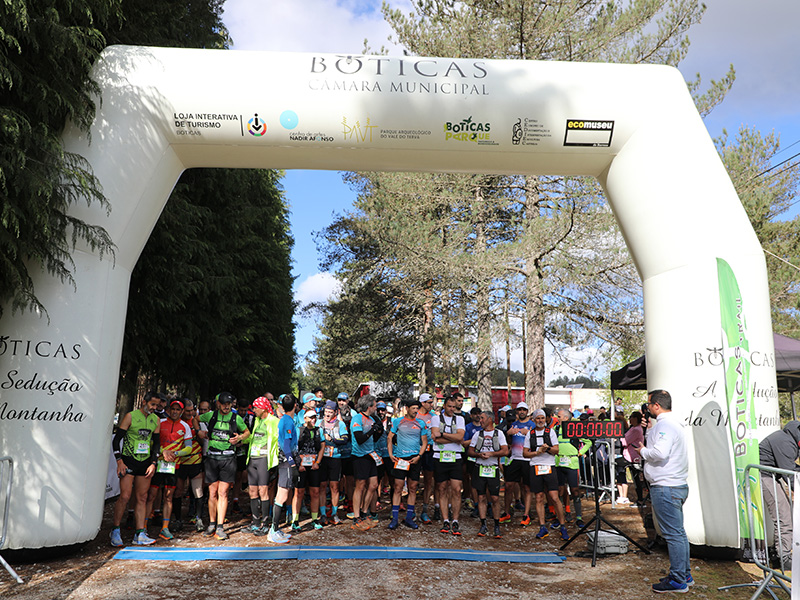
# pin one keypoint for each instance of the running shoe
(555, 524)
(393, 524)
(543, 532)
(454, 528)
(579, 523)
(165, 534)
(317, 525)
(670, 586)
(262, 531)
(506, 518)
(351, 515)
(437, 513)
(198, 525)
(518, 505)
(526, 520)
(358, 526)
(689, 580)
(564, 532)
(483, 532)
(374, 517)
(410, 523)
(255, 526)
(445, 527)
(211, 529)
(220, 534)
(336, 520)
(497, 533)
(277, 537)
(323, 519)
(116, 538)
(296, 526)
(142, 539)
(425, 518)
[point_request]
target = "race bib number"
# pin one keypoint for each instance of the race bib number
(142, 448)
(328, 451)
(307, 460)
(563, 461)
(543, 469)
(378, 460)
(447, 456)
(402, 464)
(489, 471)
(165, 467)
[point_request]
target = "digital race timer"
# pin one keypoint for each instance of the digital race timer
(593, 429)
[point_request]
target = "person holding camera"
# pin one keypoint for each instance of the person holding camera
(666, 468)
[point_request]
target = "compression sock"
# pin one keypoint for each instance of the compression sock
(483, 522)
(578, 508)
(324, 510)
(333, 510)
(177, 504)
(255, 509)
(396, 511)
(277, 513)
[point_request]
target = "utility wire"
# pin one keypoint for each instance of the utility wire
(795, 267)
(776, 166)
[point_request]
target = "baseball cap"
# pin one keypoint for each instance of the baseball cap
(178, 402)
(331, 405)
(522, 405)
(505, 408)
(425, 398)
(309, 397)
(225, 398)
(342, 396)
(539, 413)
(380, 405)
(310, 411)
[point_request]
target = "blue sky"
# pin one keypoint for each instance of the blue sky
(755, 35)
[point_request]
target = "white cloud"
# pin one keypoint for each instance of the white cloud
(319, 287)
(306, 25)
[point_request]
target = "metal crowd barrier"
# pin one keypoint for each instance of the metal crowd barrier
(6, 477)
(760, 554)
(597, 467)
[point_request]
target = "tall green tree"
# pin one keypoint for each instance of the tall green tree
(561, 256)
(46, 51)
(211, 304)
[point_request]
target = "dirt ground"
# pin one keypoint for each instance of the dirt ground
(90, 572)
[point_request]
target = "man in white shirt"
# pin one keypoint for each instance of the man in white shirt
(487, 446)
(666, 468)
(541, 447)
(447, 431)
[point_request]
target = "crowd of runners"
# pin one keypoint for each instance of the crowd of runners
(334, 461)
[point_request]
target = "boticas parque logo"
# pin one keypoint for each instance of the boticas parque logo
(467, 130)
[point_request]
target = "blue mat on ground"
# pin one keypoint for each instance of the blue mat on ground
(332, 552)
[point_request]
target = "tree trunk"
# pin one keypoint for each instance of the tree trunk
(426, 376)
(534, 313)
(484, 320)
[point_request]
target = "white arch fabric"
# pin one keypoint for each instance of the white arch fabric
(635, 128)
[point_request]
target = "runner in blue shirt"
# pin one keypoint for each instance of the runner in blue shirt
(364, 430)
(288, 473)
(406, 446)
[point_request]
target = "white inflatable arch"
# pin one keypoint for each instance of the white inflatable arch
(635, 128)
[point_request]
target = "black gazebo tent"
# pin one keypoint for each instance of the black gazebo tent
(633, 376)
